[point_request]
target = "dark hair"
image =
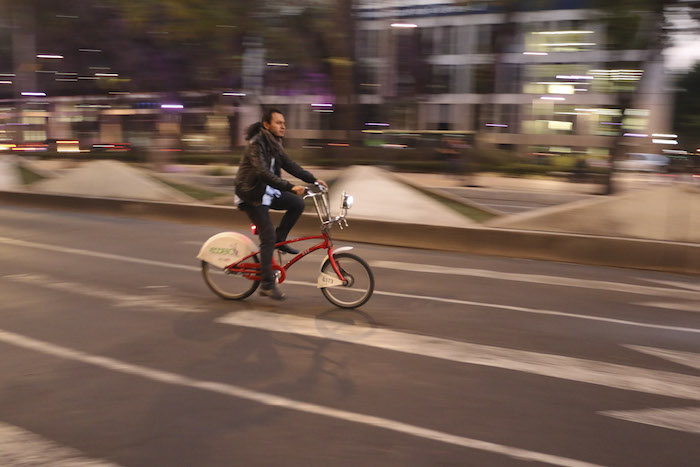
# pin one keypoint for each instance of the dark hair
(256, 127)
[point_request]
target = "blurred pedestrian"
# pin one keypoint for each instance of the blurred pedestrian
(259, 188)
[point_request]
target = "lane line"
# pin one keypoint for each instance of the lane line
(19, 447)
(542, 312)
(159, 302)
(556, 366)
(539, 279)
(681, 419)
(238, 392)
(672, 306)
(96, 254)
(680, 284)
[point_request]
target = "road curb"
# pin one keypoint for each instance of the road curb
(674, 257)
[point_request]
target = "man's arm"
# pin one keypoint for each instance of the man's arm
(295, 169)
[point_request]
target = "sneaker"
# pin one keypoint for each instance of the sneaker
(288, 249)
(273, 292)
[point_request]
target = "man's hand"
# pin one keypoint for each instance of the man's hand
(322, 183)
(299, 190)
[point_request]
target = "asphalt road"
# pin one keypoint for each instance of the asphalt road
(114, 352)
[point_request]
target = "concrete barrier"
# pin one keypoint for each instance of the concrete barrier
(583, 249)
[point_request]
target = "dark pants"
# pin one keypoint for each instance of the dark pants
(260, 216)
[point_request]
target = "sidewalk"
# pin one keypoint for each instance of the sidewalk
(547, 236)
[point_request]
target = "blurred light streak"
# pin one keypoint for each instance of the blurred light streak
(548, 98)
(636, 135)
(563, 32)
(37, 94)
(498, 125)
(567, 44)
(237, 94)
(172, 106)
(535, 53)
(574, 77)
(376, 124)
(279, 64)
(404, 25)
(49, 56)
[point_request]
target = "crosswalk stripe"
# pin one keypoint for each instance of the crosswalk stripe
(19, 447)
(689, 359)
(556, 366)
(239, 392)
(681, 419)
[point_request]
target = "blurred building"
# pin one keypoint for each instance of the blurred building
(553, 86)
(540, 79)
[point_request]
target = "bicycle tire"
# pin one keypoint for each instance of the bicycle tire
(360, 285)
(226, 285)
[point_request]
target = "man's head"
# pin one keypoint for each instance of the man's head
(273, 121)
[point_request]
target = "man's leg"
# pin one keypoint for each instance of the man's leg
(294, 205)
(260, 216)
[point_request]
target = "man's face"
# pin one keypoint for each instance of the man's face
(276, 125)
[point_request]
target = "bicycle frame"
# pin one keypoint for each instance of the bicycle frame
(252, 270)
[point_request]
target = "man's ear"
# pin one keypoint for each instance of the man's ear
(266, 125)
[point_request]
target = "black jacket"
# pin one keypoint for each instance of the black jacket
(254, 171)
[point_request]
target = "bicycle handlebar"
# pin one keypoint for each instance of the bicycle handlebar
(309, 193)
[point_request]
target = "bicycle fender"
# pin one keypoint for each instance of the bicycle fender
(226, 248)
(325, 280)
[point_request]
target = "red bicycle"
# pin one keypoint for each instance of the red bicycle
(231, 267)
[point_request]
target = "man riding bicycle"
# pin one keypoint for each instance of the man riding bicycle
(260, 188)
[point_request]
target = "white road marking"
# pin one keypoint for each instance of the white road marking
(96, 254)
(690, 359)
(554, 366)
(118, 299)
(539, 279)
(680, 284)
(19, 447)
(541, 312)
(672, 306)
(682, 419)
(281, 402)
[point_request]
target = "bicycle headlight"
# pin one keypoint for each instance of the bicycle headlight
(348, 201)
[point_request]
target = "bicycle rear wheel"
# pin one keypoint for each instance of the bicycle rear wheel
(359, 284)
(228, 285)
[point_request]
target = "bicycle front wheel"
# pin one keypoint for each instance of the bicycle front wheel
(228, 285)
(359, 284)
